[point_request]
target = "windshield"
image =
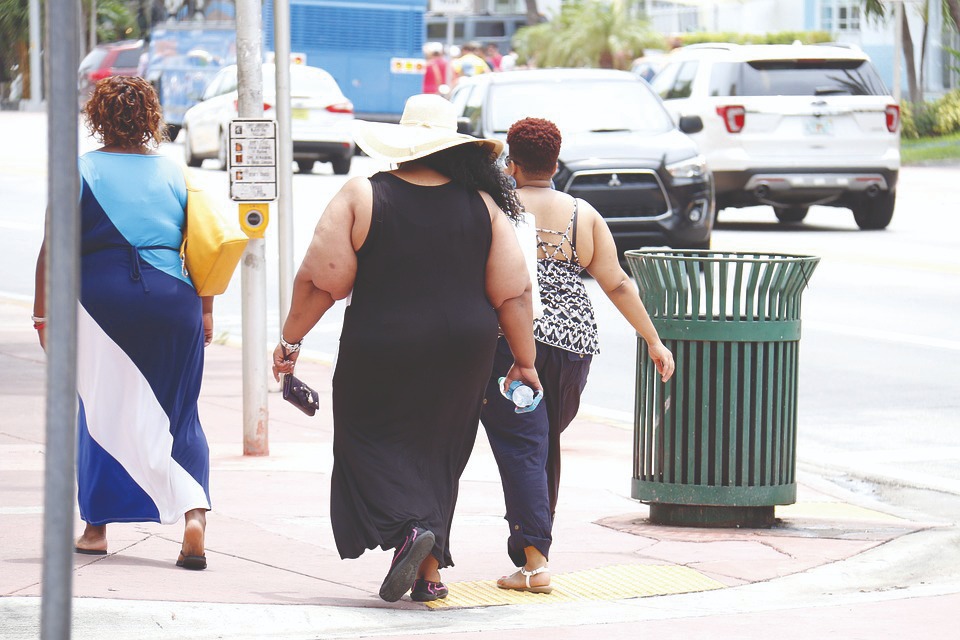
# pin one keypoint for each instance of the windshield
(797, 78)
(93, 60)
(304, 81)
(578, 106)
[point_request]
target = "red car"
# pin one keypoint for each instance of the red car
(111, 59)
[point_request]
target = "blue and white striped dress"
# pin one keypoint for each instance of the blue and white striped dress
(142, 455)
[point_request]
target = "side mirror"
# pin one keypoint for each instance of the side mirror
(691, 124)
(464, 126)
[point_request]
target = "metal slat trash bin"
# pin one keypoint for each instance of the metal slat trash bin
(716, 444)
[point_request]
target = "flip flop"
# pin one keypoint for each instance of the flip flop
(90, 552)
(527, 574)
(196, 563)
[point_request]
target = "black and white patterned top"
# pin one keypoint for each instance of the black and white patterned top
(568, 321)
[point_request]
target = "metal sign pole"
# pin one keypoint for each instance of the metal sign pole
(281, 45)
(253, 274)
(62, 288)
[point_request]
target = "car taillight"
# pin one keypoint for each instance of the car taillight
(341, 107)
(99, 74)
(893, 117)
(734, 117)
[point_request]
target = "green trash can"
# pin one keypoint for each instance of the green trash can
(716, 444)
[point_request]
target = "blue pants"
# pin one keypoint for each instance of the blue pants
(527, 445)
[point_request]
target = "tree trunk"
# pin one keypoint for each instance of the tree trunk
(533, 13)
(923, 49)
(23, 59)
(954, 7)
(910, 62)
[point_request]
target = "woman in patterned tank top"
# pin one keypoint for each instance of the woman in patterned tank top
(572, 237)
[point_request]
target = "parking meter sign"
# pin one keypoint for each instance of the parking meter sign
(252, 160)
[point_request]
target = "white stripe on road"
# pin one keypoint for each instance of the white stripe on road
(894, 337)
(20, 226)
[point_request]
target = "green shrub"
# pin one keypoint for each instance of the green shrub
(781, 37)
(947, 113)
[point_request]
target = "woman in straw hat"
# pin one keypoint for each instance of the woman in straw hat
(433, 265)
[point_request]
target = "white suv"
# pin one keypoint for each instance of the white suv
(790, 126)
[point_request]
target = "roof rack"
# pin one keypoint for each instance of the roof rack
(711, 45)
(839, 45)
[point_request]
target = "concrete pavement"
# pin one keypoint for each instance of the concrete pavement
(838, 564)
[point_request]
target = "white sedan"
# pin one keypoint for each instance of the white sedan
(321, 118)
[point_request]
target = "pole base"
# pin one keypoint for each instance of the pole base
(685, 515)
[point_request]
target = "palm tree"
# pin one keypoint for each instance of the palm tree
(15, 52)
(879, 9)
(533, 13)
(587, 33)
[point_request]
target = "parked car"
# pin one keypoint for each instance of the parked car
(621, 151)
(105, 60)
(790, 126)
(320, 118)
(649, 64)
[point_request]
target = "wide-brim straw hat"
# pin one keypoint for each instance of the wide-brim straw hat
(428, 125)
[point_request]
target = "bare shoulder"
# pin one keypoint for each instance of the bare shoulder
(587, 212)
(358, 188)
(492, 207)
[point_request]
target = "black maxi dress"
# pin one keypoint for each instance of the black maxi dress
(416, 349)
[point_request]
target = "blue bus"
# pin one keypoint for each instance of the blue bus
(355, 41)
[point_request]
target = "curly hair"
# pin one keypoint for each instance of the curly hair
(124, 111)
(476, 168)
(534, 145)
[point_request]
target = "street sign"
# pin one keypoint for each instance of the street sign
(252, 159)
(450, 7)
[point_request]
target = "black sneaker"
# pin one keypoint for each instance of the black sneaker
(406, 560)
(426, 591)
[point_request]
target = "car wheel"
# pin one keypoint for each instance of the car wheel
(191, 160)
(305, 166)
(874, 213)
(341, 165)
(222, 151)
(789, 215)
(173, 130)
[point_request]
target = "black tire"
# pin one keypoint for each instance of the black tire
(305, 166)
(341, 165)
(191, 160)
(222, 151)
(173, 130)
(791, 215)
(874, 213)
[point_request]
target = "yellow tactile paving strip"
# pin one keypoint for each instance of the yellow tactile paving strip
(607, 583)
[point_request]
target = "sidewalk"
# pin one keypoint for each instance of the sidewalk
(836, 565)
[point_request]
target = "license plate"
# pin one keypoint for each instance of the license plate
(300, 114)
(819, 126)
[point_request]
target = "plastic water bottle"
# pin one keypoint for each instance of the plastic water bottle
(522, 396)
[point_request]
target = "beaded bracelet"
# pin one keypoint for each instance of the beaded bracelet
(290, 348)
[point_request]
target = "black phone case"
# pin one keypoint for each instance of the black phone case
(300, 395)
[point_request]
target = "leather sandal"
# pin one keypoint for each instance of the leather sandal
(528, 574)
